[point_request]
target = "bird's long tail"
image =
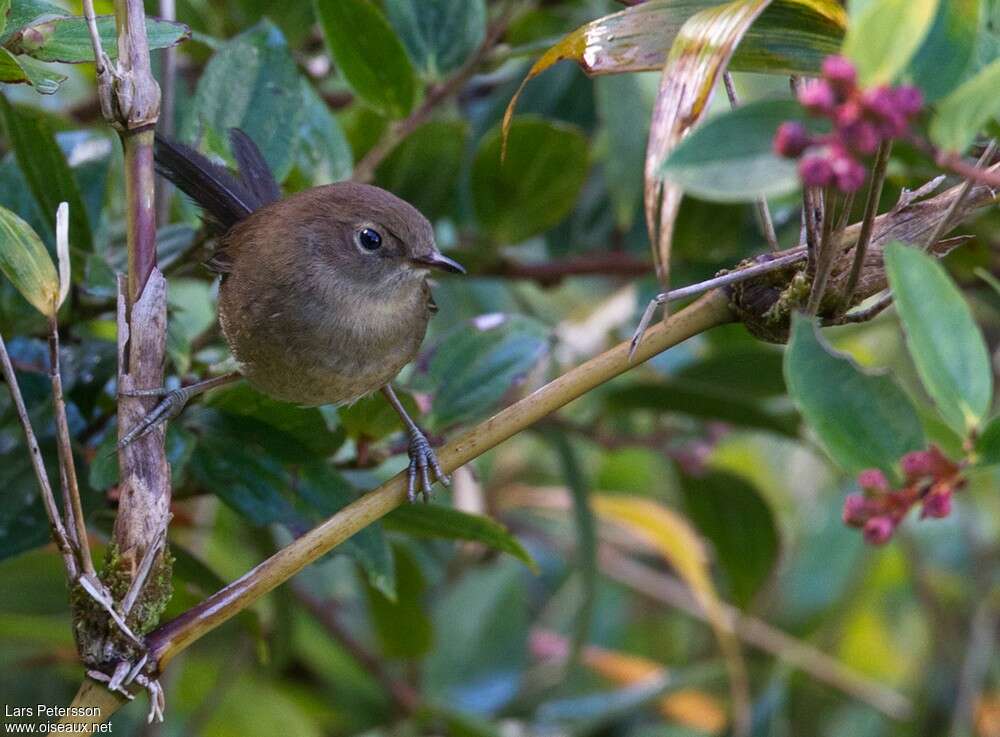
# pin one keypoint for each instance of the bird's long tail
(225, 197)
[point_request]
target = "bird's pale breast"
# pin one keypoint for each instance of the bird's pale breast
(312, 346)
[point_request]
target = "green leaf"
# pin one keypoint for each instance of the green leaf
(988, 444)
(323, 151)
(49, 177)
(4, 9)
(947, 51)
(27, 264)
(885, 35)
(244, 476)
(67, 39)
(43, 77)
(710, 401)
(403, 628)
(23, 522)
(475, 365)
(327, 492)
(476, 664)
(586, 539)
(963, 113)
(304, 427)
(862, 420)
(438, 146)
(10, 71)
(252, 83)
(625, 119)
(944, 340)
(445, 523)
(373, 418)
(740, 524)
(731, 157)
(438, 34)
(24, 12)
(192, 312)
(368, 54)
(535, 185)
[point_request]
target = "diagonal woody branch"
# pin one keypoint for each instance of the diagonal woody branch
(170, 639)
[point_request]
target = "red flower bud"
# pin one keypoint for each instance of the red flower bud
(818, 98)
(855, 511)
(848, 173)
(884, 109)
(909, 100)
(917, 465)
(791, 140)
(874, 481)
(937, 503)
(878, 530)
(840, 73)
(815, 170)
(861, 136)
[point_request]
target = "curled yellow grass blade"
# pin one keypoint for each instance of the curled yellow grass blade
(674, 539)
(699, 54)
(791, 37)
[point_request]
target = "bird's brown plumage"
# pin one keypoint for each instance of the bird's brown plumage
(311, 315)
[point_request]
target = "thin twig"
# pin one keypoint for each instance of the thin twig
(942, 227)
(550, 273)
(879, 169)
(38, 464)
(764, 220)
(100, 58)
(67, 467)
(824, 259)
(973, 172)
(364, 171)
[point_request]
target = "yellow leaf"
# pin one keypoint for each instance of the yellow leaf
(699, 54)
(690, 707)
(673, 538)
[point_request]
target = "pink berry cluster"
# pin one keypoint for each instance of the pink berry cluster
(862, 119)
(931, 479)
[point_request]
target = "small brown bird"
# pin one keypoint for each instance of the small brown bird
(323, 295)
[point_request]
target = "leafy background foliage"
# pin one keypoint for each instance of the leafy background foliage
(458, 617)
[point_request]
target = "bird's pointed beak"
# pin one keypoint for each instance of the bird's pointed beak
(439, 261)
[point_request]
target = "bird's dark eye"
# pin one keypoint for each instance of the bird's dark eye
(369, 239)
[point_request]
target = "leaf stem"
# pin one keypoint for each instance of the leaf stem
(67, 468)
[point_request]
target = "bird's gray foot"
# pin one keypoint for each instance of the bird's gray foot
(424, 467)
(169, 407)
